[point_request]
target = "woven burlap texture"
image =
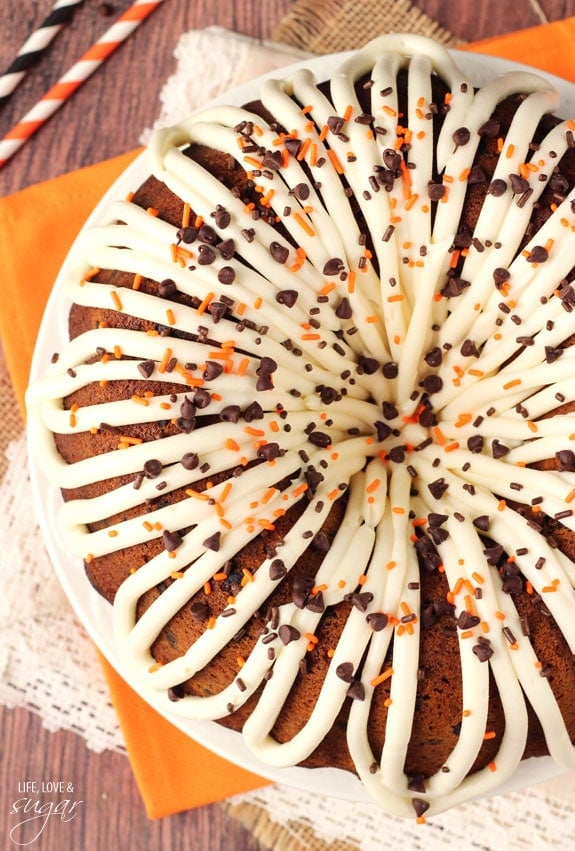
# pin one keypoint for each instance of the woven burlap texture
(328, 26)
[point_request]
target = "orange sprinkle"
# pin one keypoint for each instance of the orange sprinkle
(500, 615)
(570, 496)
(468, 633)
(301, 488)
(501, 505)
(439, 436)
(410, 202)
(165, 360)
(490, 734)
(205, 303)
(484, 626)
(186, 215)
(373, 486)
(137, 282)
(381, 678)
(510, 384)
(304, 149)
(304, 224)
(452, 446)
(334, 159)
(398, 509)
(510, 151)
(390, 565)
(466, 713)
(140, 400)
(232, 444)
(116, 299)
(171, 319)
(492, 766)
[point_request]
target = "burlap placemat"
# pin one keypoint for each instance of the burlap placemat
(328, 26)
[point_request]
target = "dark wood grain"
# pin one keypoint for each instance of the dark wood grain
(104, 118)
(107, 114)
(112, 815)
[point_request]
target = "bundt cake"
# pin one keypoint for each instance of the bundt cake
(314, 426)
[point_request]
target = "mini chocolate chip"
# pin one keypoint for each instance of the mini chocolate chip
(189, 461)
(432, 384)
(566, 460)
(497, 187)
(345, 672)
(500, 276)
(377, 620)
(435, 191)
(146, 368)
(188, 234)
(222, 218)
(254, 411)
(538, 254)
(167, 288)
(152, 468)
(277, 570)
(483, 652)
(202, 398)
(287, 297)
(356, 690)
(301, 191)
(438, 487)
(288, 633)
(272, 160)
(226, 275)
(391, 159)
(475, 443)
(279, 253)
(333, 267)
(433, 357)
(498, 449)
(207, 234)
(467, 621)
(171, 540)
(489, 129)
(461, 136)
(343, 310)
(213, 542)
(518, 184)
(420, 806)
(212, 370)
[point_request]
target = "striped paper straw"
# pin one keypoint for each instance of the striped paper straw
(34, 46)
(73, 79)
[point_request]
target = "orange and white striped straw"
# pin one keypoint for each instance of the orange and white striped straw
(73, 79)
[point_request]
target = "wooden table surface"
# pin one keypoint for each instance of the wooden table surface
(104, 118)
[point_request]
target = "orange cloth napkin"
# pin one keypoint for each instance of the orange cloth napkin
(37, 227)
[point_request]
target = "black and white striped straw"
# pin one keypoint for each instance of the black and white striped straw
(35, 45)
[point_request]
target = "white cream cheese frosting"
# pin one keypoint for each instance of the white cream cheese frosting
(334, 340)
